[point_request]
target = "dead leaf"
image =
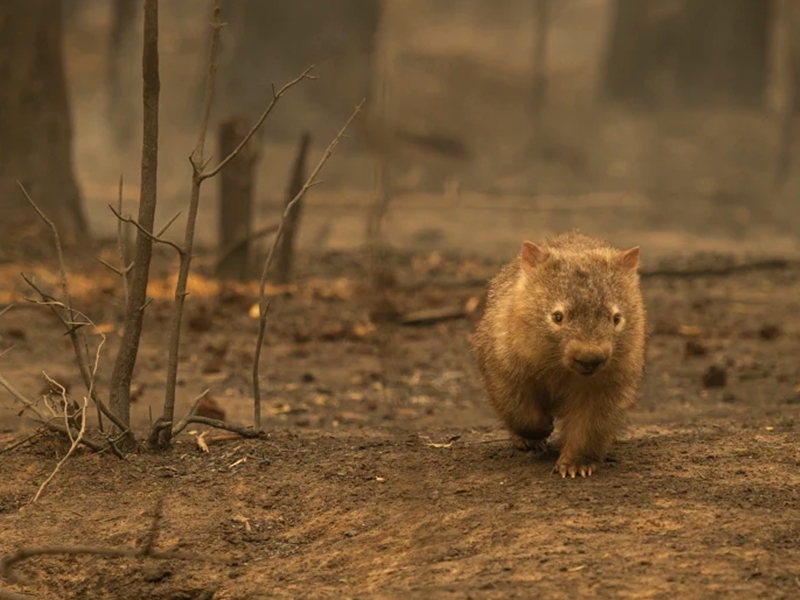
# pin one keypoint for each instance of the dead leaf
(242, 519)
(201, 442)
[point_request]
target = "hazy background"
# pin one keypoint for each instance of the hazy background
(458, 128)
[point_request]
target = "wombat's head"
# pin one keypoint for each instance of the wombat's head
(584, 304)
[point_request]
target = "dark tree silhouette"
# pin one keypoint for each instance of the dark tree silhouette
(713, 51)
(35, 123)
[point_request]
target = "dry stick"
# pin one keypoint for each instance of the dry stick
(121, 246)
(163, 436)
(120, 388)
(87, 374)
(75, 442)
(263, 304)
(147, 550)
(286, 246)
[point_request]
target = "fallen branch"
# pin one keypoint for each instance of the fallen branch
(431, 316)
(9, 561)
(263, 303)
(23, 441)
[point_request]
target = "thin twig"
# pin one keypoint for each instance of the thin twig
(123, 272)
(275, 97)
(153, 237)
(263, 304)
(184, 422)
(23, 441)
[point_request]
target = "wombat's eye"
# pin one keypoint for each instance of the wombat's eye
(558, 316)
(617, 318)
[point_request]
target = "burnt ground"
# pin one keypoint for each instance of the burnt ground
(415, 492)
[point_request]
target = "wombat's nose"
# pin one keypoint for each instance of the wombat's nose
(589, 364)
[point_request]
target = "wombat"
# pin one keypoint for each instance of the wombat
(563, 337)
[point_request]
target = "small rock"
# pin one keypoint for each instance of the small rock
(769, 332)
(308, 378)
(200, 321)
(157, 574)
(209, 408)
(694, 348)
(715, 376)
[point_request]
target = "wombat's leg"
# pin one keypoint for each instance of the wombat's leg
(589, 427)
(530, 426)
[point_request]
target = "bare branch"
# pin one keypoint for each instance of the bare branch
(263, 304)
(275, 97)
(163, 230)
(57, 240)
(153, 237)
(162, 436)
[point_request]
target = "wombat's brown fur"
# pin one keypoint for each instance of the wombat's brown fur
(563, 336)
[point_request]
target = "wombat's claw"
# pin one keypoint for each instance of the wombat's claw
(571, 469)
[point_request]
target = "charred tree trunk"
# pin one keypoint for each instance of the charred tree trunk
(722, 56)
(120, 72)
(285, 258)
(236, 189)
(35, 123)
(273, 41)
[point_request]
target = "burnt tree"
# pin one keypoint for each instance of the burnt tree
(272, 41)
(711, 52)
(35, 123)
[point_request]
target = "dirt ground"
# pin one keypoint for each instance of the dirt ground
(360, 494)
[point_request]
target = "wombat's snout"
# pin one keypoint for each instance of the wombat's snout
(587, 361)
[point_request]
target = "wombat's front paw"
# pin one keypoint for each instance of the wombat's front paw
(571, 467)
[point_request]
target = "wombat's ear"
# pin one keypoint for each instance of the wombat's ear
(629, 258)
(532, 255)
